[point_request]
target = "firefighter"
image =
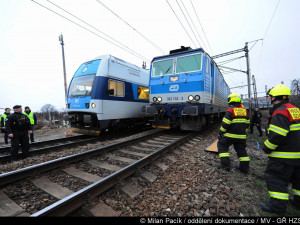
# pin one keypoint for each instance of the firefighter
(233, 131)
(18, 126)
(282, 147)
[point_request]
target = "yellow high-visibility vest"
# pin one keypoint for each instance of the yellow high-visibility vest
(4, 116)
(30, 116)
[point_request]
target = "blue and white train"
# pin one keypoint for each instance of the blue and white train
(105, 93)
(261, 103)
(187, 90)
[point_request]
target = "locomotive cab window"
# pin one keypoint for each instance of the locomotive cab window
(116, 88)
(143, 92)
(161, 68)
(189, 63)
(207, 64)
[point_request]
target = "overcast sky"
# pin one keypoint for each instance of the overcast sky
(31, 70)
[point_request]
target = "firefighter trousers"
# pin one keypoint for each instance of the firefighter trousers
(240, 148)
(278, 175)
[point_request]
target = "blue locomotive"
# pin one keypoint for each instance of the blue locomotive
(187, 90)
(107, 93)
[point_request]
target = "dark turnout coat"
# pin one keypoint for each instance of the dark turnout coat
(235, 122)
(283, 141)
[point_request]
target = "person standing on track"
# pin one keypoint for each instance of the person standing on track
(18, 126)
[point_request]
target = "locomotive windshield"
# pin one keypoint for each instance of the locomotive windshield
(81, 86)
(189, 63)
(184, 64)
(162, 68)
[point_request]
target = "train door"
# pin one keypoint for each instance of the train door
(212, 82)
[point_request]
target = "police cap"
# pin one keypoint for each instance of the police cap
(17, 106)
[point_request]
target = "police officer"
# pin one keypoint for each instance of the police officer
(233, 131)
(3, 120)
(282, 147)
(17, 126)
(256, 120)
(33, 121)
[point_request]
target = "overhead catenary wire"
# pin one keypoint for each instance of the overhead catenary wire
(117, 44)
(201, 27)
(187, 12)
(188, 23)
(230, 60)
(271, 19)
(181, 23)
(147, 39)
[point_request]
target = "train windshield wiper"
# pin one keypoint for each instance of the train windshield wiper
(168, 70)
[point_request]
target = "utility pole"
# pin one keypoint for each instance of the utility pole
(254, 92)
(64, 65)
(248, 76)
(248, 72)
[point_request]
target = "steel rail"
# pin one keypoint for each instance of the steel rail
(77, 199)
(6, 149)
(7, 157)
(16, 175)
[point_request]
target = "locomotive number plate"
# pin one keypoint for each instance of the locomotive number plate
(169, 99)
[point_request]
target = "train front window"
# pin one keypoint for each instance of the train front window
(81, 86)
(162, 68)
(189, 63)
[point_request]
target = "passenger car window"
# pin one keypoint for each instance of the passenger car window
(118, 87)
(143, 92)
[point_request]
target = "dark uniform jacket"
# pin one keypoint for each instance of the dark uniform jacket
(17, 122)
(256, 118)
(235, 122)
(283, 141)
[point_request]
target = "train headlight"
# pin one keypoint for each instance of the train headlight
(93, 105)
(191, 98)
(197, 97)
(154, 99)
(159, 99)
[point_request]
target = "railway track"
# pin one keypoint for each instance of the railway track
(94, 171)
(49, 145)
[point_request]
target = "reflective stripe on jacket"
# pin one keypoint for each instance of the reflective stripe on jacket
(235, 122)
(284, 134)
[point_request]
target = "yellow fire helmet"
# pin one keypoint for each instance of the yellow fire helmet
(234, 97)
(280, 90)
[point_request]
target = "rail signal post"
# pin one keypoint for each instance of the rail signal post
(64, 65)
